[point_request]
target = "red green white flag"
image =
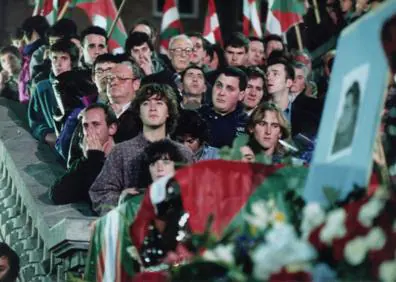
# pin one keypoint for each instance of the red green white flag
(283, 14)
(170, 25)
(103, 13)
(251, 19)
(212, 30)
(49, 9)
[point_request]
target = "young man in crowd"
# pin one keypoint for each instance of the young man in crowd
(64, 56)
(225, 117)
(11, 63)
(236, 49)
(266, 126)
(304, 112)
(34, 29)
(139, 46)
(94, 43)
(194, 88)
(256, 52)
(155, 108)
(99, 125)
(254, 92)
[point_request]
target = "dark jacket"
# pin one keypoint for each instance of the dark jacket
(306, 113)
(73, 186)
(223, 128)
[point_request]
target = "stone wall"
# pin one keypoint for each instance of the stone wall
(50, 240)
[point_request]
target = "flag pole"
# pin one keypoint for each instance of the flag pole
(36, 8)
(63, 11)
(116, 19)
(316, 10)
(299, 39)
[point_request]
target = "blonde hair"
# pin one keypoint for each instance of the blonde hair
(258, 115)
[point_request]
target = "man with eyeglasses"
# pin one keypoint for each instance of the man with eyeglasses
(117, 78)
(180, 55)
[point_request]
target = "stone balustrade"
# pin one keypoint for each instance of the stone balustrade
(51, 241)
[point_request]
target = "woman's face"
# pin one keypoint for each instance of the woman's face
(161, 168)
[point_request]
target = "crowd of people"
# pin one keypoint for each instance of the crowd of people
(118, 122)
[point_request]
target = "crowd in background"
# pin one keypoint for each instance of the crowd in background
(103, 114)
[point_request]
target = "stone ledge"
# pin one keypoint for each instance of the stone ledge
(29, 222)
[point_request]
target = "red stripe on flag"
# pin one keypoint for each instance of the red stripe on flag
(287, 20)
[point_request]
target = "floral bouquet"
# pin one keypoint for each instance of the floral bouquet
(357, 240)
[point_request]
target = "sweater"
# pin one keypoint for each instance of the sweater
(123, 169)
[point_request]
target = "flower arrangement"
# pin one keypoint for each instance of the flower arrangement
(350, 242)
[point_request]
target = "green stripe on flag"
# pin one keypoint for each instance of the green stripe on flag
(169, 32)
(289, 6)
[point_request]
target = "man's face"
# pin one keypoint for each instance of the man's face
(10, 63)
(298, 82)
(60, 62)
(122, 85)
(180, 54)
(199, 52)
(94, 124)
(254, 92)
(194, 82)
(4, 267)
(161, 168)
(154, 112)
(271, 46)
(141, 54)
(102, 70)
(256, 53)
(276, 79)
(235, 56)
(94, 45)
(268, 131)
(226, 94)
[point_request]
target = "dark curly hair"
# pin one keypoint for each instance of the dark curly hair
(191, 123)
(162, 91)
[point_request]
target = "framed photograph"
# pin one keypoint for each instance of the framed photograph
(347, 113)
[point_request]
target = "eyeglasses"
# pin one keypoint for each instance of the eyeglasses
(119, 77)
(179, 51)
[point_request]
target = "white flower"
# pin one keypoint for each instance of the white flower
(260, 216)
(334, 226)
(376, 239)
(222, 253)
(283, 248)
(387, 271)
(313, 216)
(355, 251)
(370, 211)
